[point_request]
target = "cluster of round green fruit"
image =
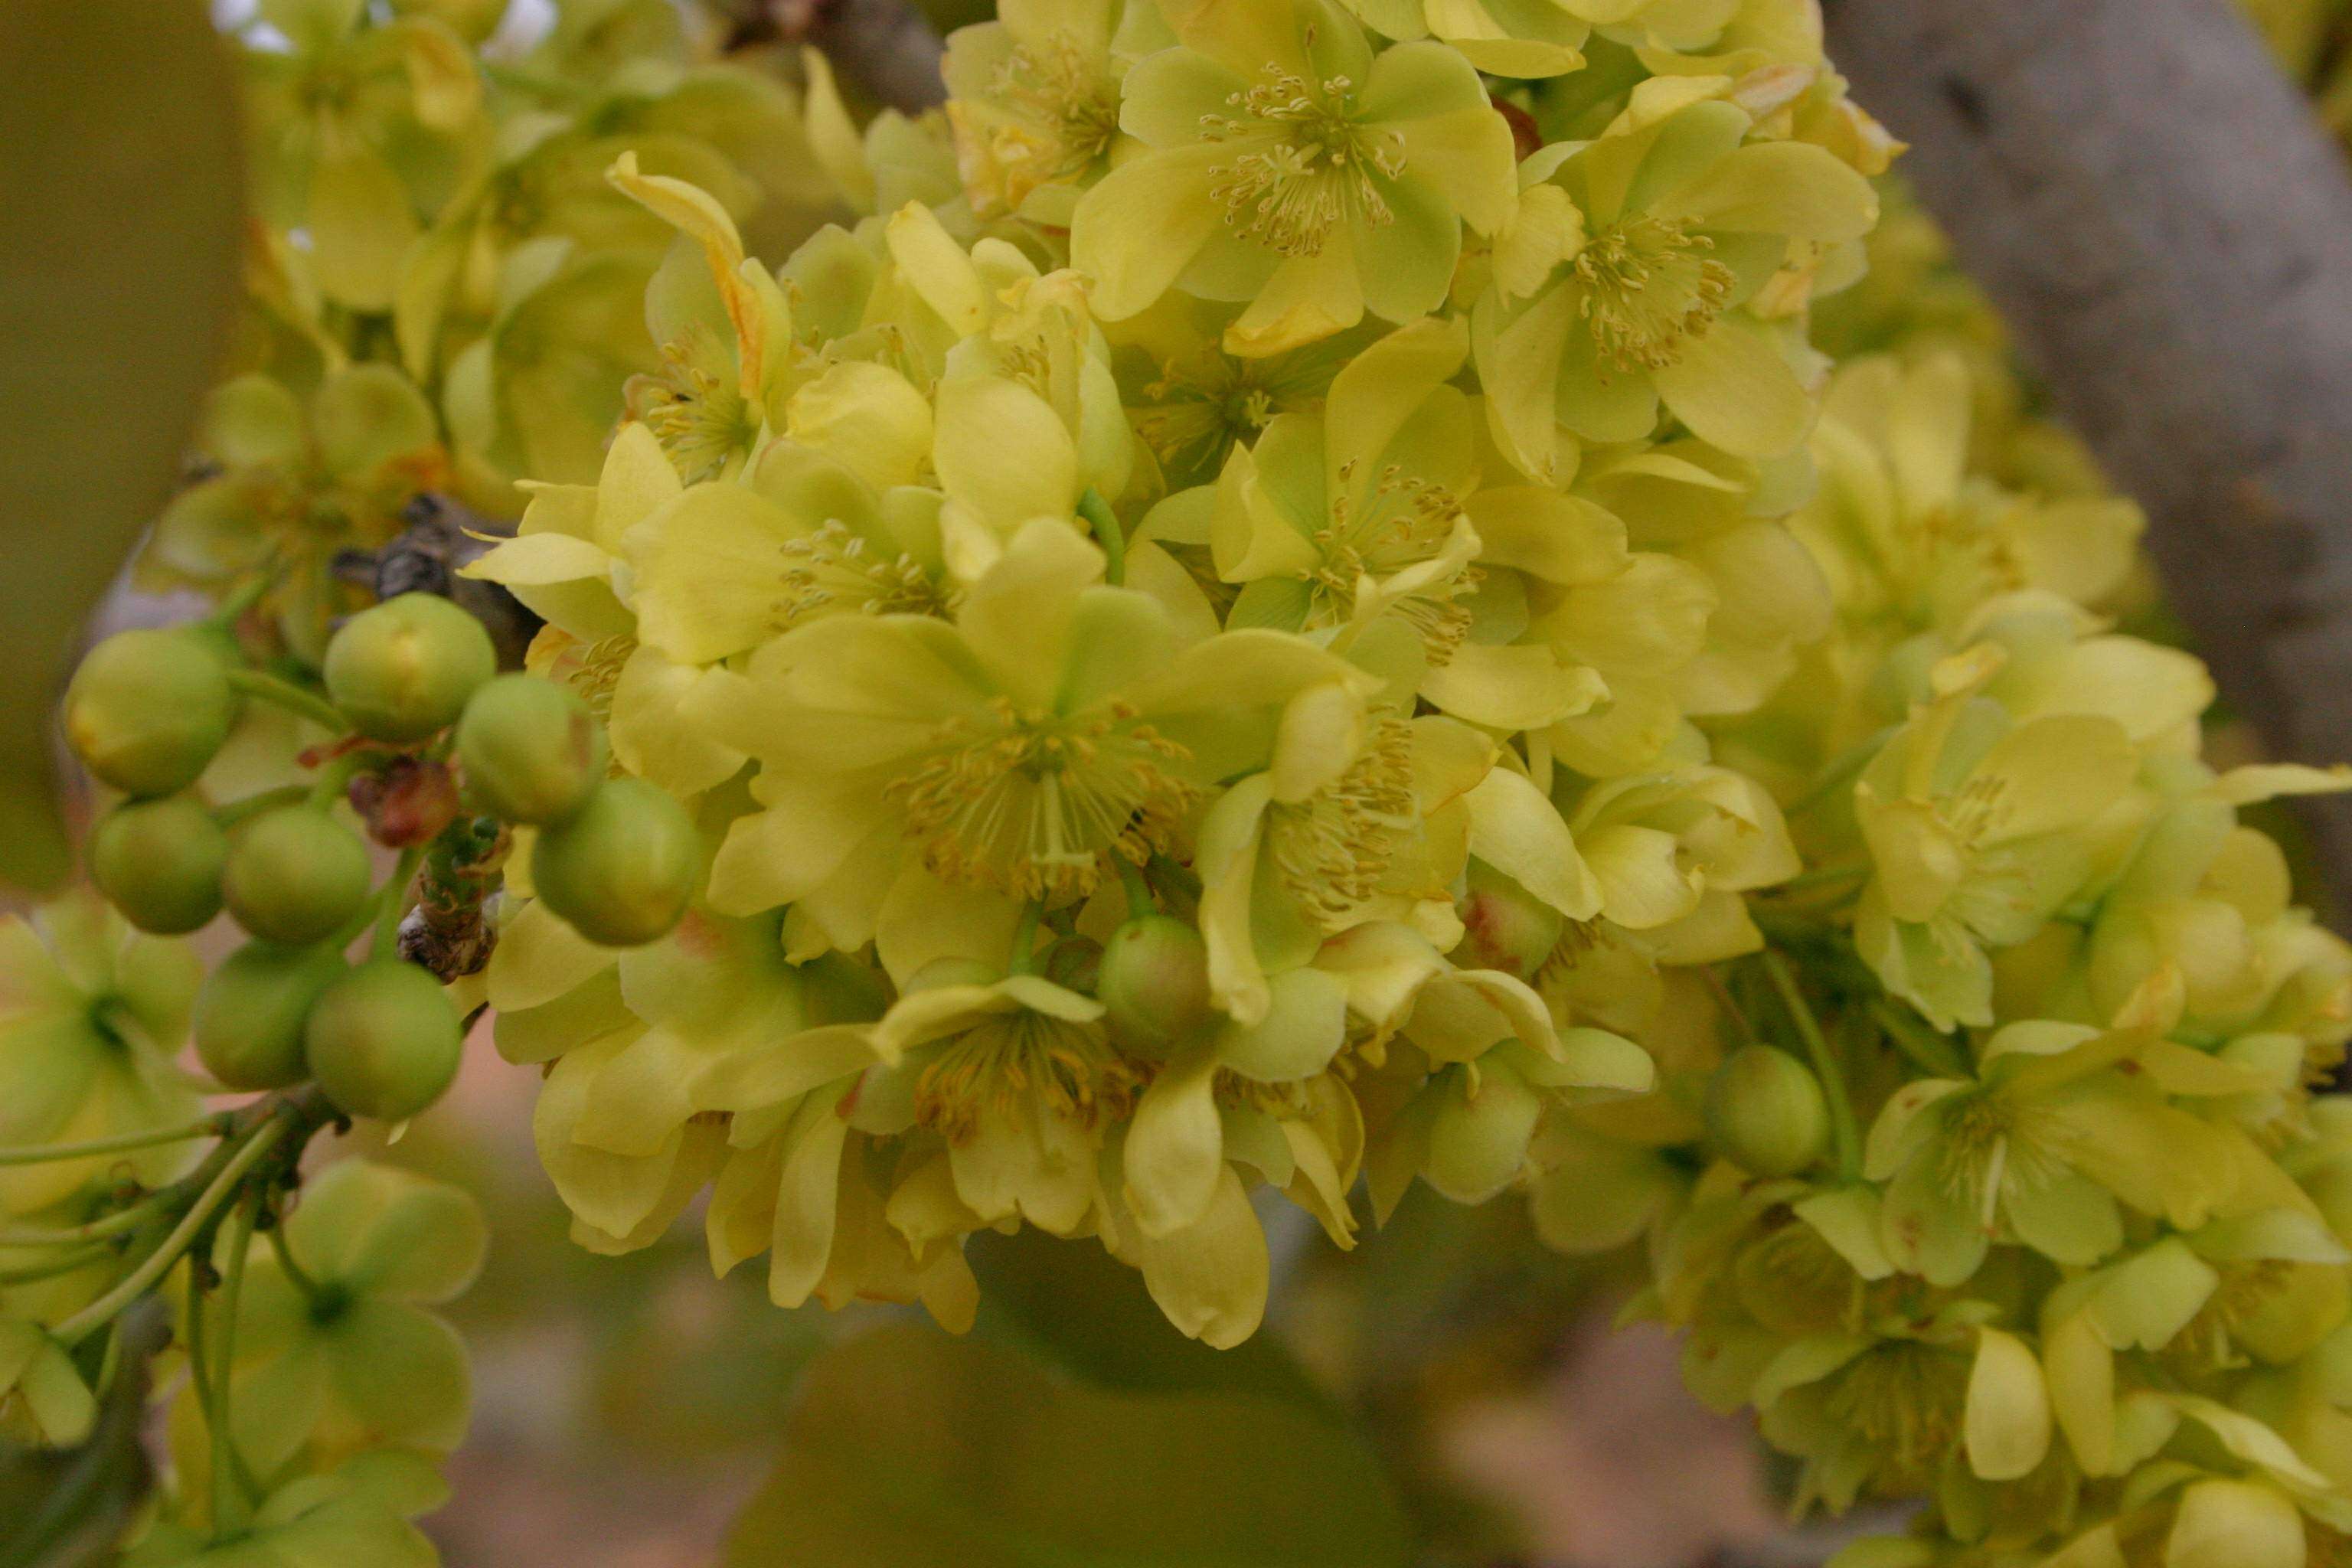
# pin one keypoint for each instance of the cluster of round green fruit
(148, 711)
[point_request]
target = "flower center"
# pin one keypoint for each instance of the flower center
(702, 421)
(1029, 803)
(1333, 848)
(999, 1065)
(594, 669)
(836, 572)
(1404, 521)
(1302, 163)
(1068, 110)
(1649, 288)
(1198, 410)
(2209, 1343)
(1902, 1401)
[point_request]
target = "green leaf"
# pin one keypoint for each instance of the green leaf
(119, 257)
(909, 1449)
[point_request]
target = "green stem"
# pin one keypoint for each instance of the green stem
(210, 1127)
(248, 594)
(1930, 1051)
(312, 1291)
(156, 1264)
(32, 1273)
(1839, 774)
(115, 1224)
(253, 805)
(394, 903)
(1024, 939)
(1843, 1128)
(1821, 876)
(293, 698)
(1108, 533)
(1139, 891)
(335, 778)
(233, 1491)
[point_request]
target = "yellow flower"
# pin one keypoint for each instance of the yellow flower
(1977, 829)
(1054, 723)
(1286, 165)
(1034, 98)
(1676, 219)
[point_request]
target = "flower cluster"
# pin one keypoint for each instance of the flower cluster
(2049, 1233)
(442, 292)
(1189, 654)
(1286, 607)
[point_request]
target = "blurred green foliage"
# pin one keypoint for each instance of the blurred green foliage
(119, 256)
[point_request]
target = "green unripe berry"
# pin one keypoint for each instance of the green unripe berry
(621, 869)
(160, 862)
(382, 1041)
(1479, 1134)
(296, 876)
(148, 710)
(1766, 1113)
(1154, 984)
(250, 1013)
(531, 750)
(403, 669)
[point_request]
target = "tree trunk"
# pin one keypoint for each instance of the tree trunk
(2158, 213)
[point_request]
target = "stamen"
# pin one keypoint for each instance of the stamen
(1004, 1064)
(1333, 849)
(835, 571)
(1649, 288)
(1030, 803)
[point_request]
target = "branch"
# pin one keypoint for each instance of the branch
(2160, 216)
(887, 49)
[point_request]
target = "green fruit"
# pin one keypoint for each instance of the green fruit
(531, 750)
(296, 876)
(250, 1013)
(1765, 1111)
(1479, 1132)
(403, 669)
(1154, 984)
(148, 710)
(621, 869)
(160, 862)
(382, 1041)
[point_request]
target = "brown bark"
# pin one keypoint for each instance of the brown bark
(2168, 231)
(887, 49)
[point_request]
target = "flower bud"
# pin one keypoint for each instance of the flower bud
(296, 876)
(1504, 926)
(148, 710)
(621, 869)
(382, 1041)
(1154, 984)
(1478, 1137)
(403, 669)
(531, 750)
(1766, 1113)
(160, 862)
(249, 1015)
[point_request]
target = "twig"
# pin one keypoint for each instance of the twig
(887, 49)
